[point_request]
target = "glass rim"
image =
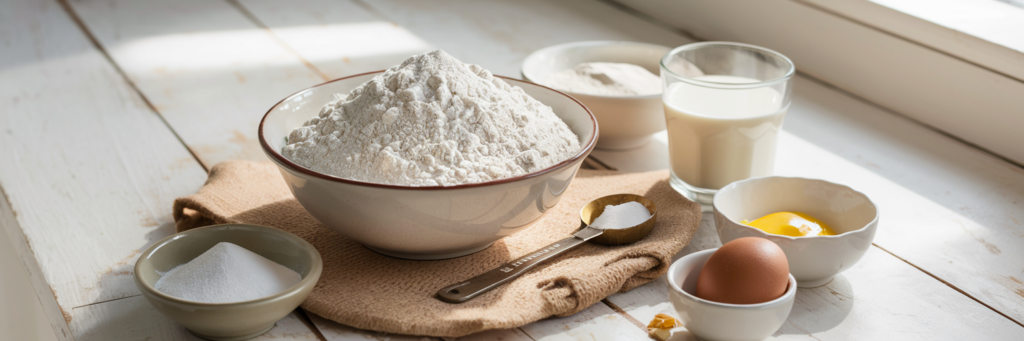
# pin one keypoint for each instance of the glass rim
(784, 78)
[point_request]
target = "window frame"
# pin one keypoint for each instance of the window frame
(965, 86)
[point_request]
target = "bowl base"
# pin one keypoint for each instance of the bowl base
(436, 256)
(815, 283)
(622, 143)
(233, 338)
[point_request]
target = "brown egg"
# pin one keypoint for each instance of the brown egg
(744, 271)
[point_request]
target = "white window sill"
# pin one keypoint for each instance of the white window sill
(968, 87)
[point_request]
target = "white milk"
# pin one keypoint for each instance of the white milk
(717, 136)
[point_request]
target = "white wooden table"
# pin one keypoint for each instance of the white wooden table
(111, 109)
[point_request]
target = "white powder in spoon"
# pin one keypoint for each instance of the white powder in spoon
(227, 273)
(625, 215)
(606, 79)
(433, 120)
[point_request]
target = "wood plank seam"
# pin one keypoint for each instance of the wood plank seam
(950, 285)
(309, 323)
(372, 10)
(256, 21)
(803, 330)
(99, 47)
(626, 315)
(110, 300)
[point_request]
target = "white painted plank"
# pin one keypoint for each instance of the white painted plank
(209, 70)
(596, 323)
(340, 38)
(92, 177)
(92, 171)
(498, 35)
(134, 318)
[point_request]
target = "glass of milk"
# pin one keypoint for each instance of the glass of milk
(724, 106)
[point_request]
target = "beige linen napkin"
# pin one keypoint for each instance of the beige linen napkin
(367, 290)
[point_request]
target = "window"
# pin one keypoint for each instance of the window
(955, 65)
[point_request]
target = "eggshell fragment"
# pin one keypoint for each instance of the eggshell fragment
(744, 271)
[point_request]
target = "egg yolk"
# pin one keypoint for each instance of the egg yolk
(793, 224)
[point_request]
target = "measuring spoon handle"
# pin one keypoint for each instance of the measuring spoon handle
(478, 285)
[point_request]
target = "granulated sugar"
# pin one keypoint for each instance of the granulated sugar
(227, 273)
(621, 216)
(606, 79)
(433, 120)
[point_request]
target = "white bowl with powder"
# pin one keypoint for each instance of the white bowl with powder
(222, 291)
(431, 221)
(627, 121)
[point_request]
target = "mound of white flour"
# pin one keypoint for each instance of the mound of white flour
(433, 120)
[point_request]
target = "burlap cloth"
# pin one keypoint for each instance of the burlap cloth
(367, 290)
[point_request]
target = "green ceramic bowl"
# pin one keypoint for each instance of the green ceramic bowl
(229, 321)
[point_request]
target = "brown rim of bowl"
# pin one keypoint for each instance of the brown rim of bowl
(281, 160)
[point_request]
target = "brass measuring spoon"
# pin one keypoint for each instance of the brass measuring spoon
(473, 287)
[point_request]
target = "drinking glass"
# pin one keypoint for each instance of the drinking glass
(724, 106)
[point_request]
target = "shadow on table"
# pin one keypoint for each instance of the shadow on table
(116, 282)
(936, 167)
(819, 309)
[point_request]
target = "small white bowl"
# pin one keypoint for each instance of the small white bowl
(626, 121)
(709, 320)
(812, 260)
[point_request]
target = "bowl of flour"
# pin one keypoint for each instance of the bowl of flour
(431, 159)
(617, 80)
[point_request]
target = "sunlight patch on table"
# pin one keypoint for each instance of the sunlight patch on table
(210, 50)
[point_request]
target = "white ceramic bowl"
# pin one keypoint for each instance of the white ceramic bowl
(626, 121)
(812, 260)
(710, 320)
(430, 222)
